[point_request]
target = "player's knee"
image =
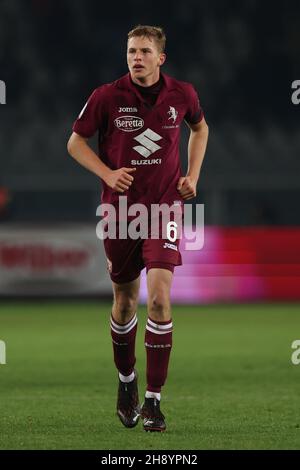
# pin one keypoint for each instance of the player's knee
(124, 309)
(159, 306)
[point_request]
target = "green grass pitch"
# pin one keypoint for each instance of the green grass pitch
(231, 381)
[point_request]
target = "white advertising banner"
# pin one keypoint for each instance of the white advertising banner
(67, 259)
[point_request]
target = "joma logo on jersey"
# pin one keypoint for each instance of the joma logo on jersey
(129, 123)
(127, 110)
(171, 246)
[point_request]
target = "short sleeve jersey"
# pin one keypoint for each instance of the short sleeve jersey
(132, 133)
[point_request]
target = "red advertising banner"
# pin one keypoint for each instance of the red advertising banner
(234, 264)
(239, 265)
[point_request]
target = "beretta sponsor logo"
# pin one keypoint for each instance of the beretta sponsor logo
(129, 123)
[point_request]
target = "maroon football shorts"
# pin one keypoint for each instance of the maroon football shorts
(126, 257)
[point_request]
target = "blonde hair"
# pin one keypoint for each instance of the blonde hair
(155, 32)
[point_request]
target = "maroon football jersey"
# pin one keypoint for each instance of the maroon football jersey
(132, 133)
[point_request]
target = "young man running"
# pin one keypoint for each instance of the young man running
(138, 119)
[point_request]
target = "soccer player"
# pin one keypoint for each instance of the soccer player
(138, 120)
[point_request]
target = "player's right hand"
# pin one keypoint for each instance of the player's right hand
(120, 180)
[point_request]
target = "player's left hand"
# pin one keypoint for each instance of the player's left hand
(187, 187)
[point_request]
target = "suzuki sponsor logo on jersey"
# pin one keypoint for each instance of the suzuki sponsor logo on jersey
(127, 110)
(147, 147)
(129, 123)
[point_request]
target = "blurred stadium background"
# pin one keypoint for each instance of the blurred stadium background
(242, 57)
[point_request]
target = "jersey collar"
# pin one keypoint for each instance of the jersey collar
(168, 85)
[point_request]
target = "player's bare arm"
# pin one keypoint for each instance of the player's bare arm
(119, 180)
(187, 185)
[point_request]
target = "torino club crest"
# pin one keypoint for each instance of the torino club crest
(2, 92)
(172, 114)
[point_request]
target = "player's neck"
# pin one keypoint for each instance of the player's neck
(147, 81)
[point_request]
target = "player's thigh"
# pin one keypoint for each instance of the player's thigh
(126, 296)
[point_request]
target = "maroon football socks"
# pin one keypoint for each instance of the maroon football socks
(158, 343)
(123, 338)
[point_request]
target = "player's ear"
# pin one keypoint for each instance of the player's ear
(162, 58)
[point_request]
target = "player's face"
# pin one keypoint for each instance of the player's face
(144, 59)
